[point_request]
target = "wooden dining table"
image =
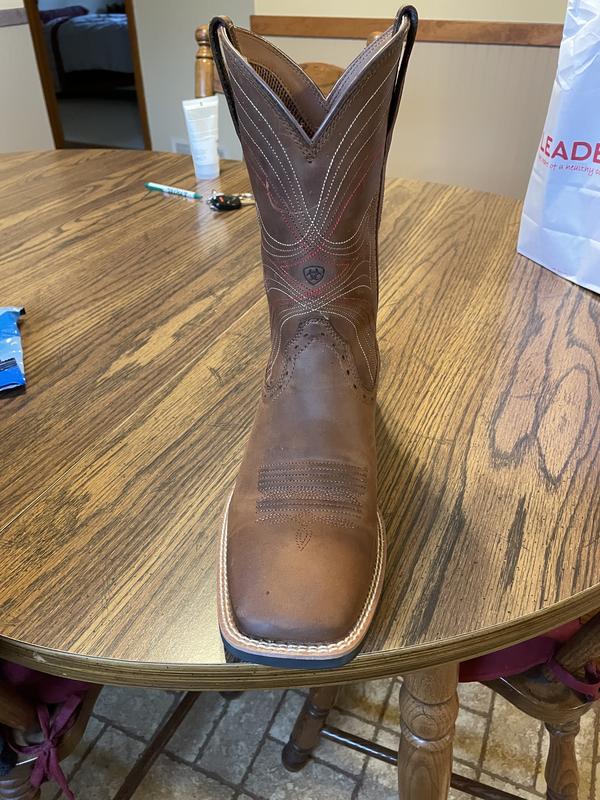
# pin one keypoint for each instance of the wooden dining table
(145, 339)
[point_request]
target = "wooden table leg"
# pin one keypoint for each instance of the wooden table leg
(16, 785)
(428, 710)
(305, 735)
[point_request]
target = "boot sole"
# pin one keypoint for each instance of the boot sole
(296, 656)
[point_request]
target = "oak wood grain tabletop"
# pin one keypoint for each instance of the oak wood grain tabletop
(145, 340)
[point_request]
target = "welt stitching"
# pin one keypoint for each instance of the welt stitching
(262, 644)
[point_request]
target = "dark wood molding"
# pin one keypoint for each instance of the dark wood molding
(46, 78)
(533, 34)
(137, 71)
(12, 16)
(37, 35)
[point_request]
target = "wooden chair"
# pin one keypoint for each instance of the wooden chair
(537, 692)
(19, 720)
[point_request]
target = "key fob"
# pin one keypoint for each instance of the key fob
(224, 202)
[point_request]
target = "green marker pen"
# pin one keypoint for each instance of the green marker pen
(160, 187)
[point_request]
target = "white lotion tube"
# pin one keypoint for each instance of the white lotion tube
(202, 120)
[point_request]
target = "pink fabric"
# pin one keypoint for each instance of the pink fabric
(39, 687)
(47, 765)
(589, 688)
(57, 701)
(519, 657)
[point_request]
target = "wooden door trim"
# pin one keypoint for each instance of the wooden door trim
(137, 73)
(532, 34)
(41, 57)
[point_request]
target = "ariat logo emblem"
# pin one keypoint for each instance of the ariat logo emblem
(314, 275)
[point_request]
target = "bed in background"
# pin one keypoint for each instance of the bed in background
(89, 53)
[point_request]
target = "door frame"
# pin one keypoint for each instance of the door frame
(43, 65)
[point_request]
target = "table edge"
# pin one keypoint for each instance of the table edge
(243, 676)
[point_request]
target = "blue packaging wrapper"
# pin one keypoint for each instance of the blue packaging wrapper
(12, 369)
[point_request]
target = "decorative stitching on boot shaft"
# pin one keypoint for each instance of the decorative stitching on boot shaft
(311, 148)
(325, 336)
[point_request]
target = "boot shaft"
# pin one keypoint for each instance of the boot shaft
(316, 165)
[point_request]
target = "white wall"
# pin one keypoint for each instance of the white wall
(167, 52)
(24, 122)
(501, 10)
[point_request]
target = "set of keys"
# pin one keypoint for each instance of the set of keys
(230, 202)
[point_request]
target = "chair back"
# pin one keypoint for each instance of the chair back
(205, 75)
(583, 648)
(16, 711)
(324, 75)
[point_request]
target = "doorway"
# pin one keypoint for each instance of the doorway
(89, 65)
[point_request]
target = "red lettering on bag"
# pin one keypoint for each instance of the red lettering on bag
(560, 151)
(576, 145)
(597, 153)
(548, 143)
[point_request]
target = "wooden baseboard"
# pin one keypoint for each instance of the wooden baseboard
(532, 34)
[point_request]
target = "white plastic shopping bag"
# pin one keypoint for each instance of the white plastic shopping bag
(560, 226)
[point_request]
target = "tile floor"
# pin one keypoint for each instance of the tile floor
(231, 749)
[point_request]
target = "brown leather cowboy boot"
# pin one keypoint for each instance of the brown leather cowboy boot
(303, 550)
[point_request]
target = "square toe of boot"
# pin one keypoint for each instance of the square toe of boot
(315, 595)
